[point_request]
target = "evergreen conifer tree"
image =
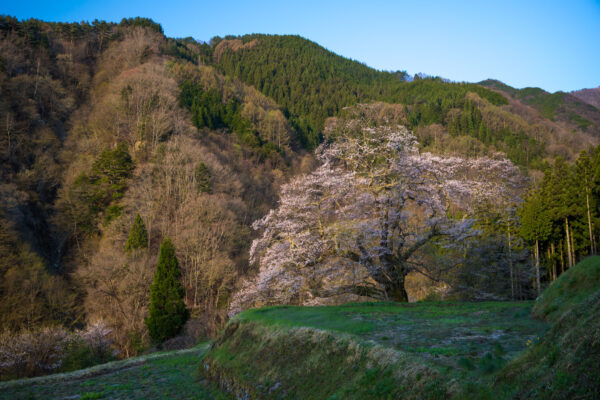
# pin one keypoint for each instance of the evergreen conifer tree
(203, 179)
(167, 313)
(535, 228)
(138, 236)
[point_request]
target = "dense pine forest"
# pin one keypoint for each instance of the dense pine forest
(265, 170)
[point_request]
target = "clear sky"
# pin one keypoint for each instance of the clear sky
(551, 44)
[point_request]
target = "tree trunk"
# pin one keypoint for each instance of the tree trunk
(510, 264)
(569, 258)
(589, 217)
(397, 292)
(537, 267)
(553, 262)
(573, 262)
(394, 283)
(562, 258)
(550, 267)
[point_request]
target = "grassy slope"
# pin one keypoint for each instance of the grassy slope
(565, 363)
(157, 376)
(424, 350)
(372, 350)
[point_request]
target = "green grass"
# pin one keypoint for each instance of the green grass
(167, 375)
(370, 350)
(443, 328)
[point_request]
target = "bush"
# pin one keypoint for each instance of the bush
(52, 349)
(32, 353)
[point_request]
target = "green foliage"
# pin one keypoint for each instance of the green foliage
(100, 190)
(535, 222)
(112, 212)
(567, 197)
(558, 106)
(167, 313)
(209, 110)
(138, 235)
(546, 103)
(581, 122)
(112, 169)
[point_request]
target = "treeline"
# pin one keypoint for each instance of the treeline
(560, 217)
(37, 32)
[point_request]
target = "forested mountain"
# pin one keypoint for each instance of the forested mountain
(261, 154)
(311, 83)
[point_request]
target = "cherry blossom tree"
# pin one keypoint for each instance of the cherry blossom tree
(365, 216)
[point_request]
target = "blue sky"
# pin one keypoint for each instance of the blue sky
(551, 44)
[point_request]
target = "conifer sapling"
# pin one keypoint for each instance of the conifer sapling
(138, 235)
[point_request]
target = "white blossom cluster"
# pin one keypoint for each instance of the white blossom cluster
(43, 351)
(374, 197)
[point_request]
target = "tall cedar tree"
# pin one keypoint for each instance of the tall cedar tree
(167, 310)
(560, 218)
(138, 235)
(536, 227)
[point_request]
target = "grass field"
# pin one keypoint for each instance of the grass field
(168, 375)
(446, 333)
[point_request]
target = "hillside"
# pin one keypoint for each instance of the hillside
(112, 121)
(567, 109)
(590, 96)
